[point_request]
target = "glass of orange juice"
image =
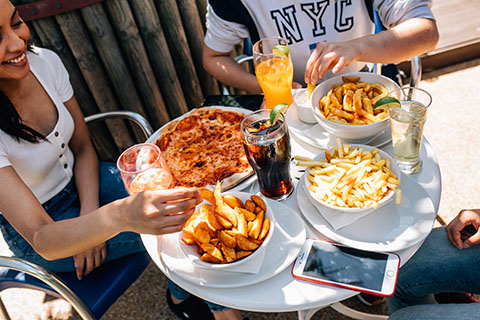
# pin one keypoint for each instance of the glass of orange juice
(143, 167)
(274, 70)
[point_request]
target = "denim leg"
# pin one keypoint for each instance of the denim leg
(436, 267)
(65, 205)
(438, 311)
(176, 291)
(180, 294)
(111, 184)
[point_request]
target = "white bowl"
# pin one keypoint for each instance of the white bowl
(304, 106)
(386, 199)
(192, 253)
(351, 133)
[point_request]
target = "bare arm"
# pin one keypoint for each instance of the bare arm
(226, 70)
(146, 212)
(404, 41)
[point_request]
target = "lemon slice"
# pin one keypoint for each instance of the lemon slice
(276, 111)
(386, 103)
(280, 50)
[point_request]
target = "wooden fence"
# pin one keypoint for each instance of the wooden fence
(139, 55)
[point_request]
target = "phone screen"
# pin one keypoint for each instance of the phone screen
(350, 266)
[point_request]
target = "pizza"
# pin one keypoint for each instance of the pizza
(205, 146)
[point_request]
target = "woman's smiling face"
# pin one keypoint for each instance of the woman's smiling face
(14, 35)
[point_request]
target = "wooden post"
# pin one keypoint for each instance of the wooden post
(202, 12)
(194, 31)
(161, 61)
(109, 51)
(137, 58)
(94, 74)
(182, 57)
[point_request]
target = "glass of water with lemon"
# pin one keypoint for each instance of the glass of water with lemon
(408, 112)
(274, 70)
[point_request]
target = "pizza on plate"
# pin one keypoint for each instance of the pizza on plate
(205, 146)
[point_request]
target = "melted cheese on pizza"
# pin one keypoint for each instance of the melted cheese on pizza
(205, 147)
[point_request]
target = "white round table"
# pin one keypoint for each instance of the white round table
(283, 293)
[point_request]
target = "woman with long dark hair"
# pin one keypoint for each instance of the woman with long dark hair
(61, 208)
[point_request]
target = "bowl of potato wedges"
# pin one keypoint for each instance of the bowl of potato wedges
(227, 229)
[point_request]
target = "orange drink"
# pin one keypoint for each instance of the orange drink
(274, 70)
(275, 76)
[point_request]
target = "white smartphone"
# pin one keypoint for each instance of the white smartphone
(334, 264)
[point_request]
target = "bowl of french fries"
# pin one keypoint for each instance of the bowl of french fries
(345, 105)
(352, 178)
(227, 229)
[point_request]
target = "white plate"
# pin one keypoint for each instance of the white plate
(389, 228)
(241, 185)
(282, 250)
(315, 135)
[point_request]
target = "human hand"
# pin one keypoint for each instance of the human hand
(330, 55)
(296, 85)
(88, 260)
(157, 212)
(454, 229)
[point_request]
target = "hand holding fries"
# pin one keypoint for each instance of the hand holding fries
(227, 229)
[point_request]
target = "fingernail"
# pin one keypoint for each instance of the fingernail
(466, 245)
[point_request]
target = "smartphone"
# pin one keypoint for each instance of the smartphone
(337, 265)
(246, 101)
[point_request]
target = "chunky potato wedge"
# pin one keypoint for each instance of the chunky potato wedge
(232, 201)
(259, 202)
(245, 244)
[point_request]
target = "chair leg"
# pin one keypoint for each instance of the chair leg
(3, 311)
(354, 314)
(307, 314)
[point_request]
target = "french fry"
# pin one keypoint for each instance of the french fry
(245, 244)
(229, 253)
(225, 230)
(227, 239)
(259, 201)
(207, 195)
(249, 216)
(227, 213)
(232, 201)
(212, 250)
(224, 222)
(242, 224)
(213, 220)
(250, 205)
(209, 258)
(265, 229)
(310, 88)
(352, 102)
(201, 235)
(242, 254)
(353, 178)
(254, 231)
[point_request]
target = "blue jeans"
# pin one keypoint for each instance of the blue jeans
(436, 267)
(66, 205)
